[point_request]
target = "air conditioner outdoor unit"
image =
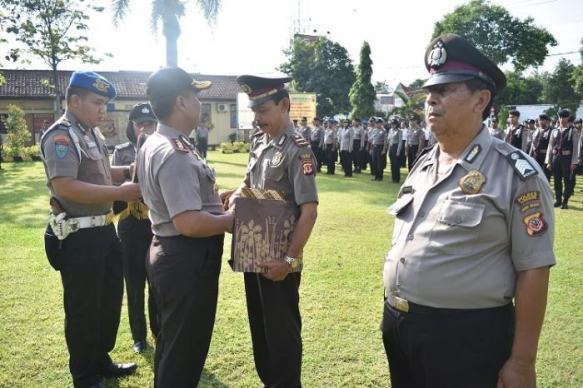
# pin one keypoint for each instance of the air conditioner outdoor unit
(222, 107)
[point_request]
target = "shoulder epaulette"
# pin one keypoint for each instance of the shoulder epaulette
(519, 161)
(62, 124)
(299, 140)
(123, 145)
(179, 145)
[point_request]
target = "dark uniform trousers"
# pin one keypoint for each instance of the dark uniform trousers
(412, 155)
(356, 157)
(561, 165)
(184, 274)
(315, 145)
(403, 156)
(346, 158)
(430, 347)
(331, 157)
(91, 272)
(377, 161)
(276, 326)
(395, 163)
(540, 157)
(136, 236)
(202, 145)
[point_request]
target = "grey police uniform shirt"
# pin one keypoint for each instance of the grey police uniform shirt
(202, 132)
(330, 136)
(286, 164)
(359, 136)
(89, 163)
(498, 133)
(462, 248)
(123, 154)
(346, 138)
(414, 137)
(378, 136)
(305, 132)
(174, 179)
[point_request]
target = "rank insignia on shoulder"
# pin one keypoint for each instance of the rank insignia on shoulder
(521, 165)
(179, 145)
(65, 122)
(300, 140)
(535, 224)
(472, 182)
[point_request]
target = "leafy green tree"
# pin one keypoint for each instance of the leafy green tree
(413, 106)
(578, 74)
(322, 67)
(560, 90)
(18, 135)
(168, 12)
(499, 35)
(52, 30)
(362, 94)
(520, 90)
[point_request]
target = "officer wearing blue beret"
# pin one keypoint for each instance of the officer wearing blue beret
(467, 273)
(80, 239)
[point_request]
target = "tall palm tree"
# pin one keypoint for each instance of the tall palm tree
(168, 12)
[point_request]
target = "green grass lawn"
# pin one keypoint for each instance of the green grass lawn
(341, 293)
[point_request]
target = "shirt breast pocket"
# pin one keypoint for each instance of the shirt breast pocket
(93, 166)
(457, 226)
(399, 210)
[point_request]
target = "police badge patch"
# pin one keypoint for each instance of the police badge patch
(472, 182)
(61, 146)
(437, 56)
(277, 159)
(307, 164)
(535, 224)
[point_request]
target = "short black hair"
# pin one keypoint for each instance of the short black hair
(73, 90)
(280, 95)
(131, 133)
(163, 105)
(514, 112)
(476, 84)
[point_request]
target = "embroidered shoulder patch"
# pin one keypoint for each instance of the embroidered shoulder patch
(307, 164)
(521, 165)
(535, 224)
(61, 145)
(529, 200)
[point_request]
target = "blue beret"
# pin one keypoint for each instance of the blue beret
(93, 82)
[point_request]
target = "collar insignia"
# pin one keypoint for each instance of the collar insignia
(473, 154)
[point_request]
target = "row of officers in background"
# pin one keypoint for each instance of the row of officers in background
(360, 143)
(555, 144)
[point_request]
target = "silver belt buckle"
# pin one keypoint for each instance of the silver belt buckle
(59, 225)
(72, 225)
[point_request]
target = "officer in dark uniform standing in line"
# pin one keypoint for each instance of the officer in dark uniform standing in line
(562, 158)
(474, 230)
(540, 143)
(330, 147)
(395, 146)
(517, 134)
(80, 239)
(188, 223)
(317, 142)
(378, 139)
(135, 232)
(279, 160)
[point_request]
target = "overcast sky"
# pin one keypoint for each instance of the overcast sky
(249, 36)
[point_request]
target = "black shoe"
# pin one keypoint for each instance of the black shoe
(564, 205)
(118, 370)
(98, 385)
(140, 346)
(557, 204)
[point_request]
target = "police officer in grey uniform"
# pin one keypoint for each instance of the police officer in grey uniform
(378, 140)
(188, 223)
(346, 143)
(280, 159)
(395, 144)
(415, 142)
(517, 134)
(304, 130)
(473, 230)
(80, 239)
(330, 146)
(358, 139)
(317, 142)
(562, 158)
(135, 231)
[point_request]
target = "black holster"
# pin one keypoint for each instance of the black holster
(53, 248)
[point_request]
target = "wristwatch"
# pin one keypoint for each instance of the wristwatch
(292, 262)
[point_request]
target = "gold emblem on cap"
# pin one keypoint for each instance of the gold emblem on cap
(277, 159)
(437, 56)
(201, 85)
(472, 182)
(100, 85)
(246, 88)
